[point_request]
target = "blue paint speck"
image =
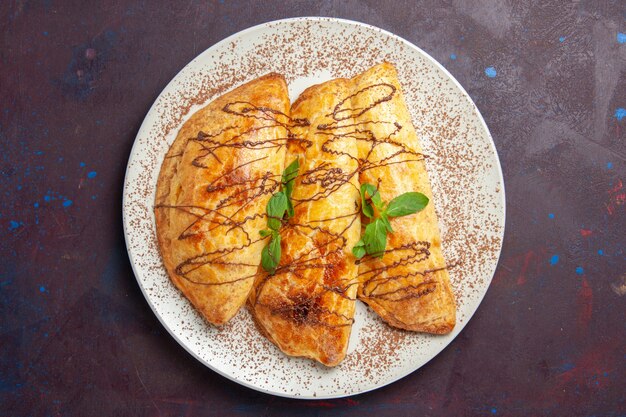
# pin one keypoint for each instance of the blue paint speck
(551, 215)
(453, 56)
(621, 37)
(82, 164)
(47, 198)
(14, 225)
(620, 113)
(19, 187)
(554, 260)
(580, 270)
(491, 72)
(600, 252)
(42, 289)
(494, 410)
(609, 165)
(36, 205)
(38, 152)
(567, 367)
(67, 203)
(45, 33)
(92, 174)
(93, 197)
(562, 39)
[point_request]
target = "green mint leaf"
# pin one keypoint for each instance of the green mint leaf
(366, 207)
(267, 262)
(289, 176)
(265, 233)
(290, 211)
(405, 204)
(359, 249)
(375, 238)
(385, 220)
(276, 208)
(270, 256)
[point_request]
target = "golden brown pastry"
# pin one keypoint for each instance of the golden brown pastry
(409, 286)
(212, 191)
(306, 308)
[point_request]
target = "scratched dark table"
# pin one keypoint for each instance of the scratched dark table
(77, 338)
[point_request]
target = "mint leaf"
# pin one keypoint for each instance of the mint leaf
(289, 176)
(366, 207)
(405, 204)
(276, 208)
(359, 249)
(265, 232)
(385, 220)
(270, 256)
(375, 238)
(267, 262)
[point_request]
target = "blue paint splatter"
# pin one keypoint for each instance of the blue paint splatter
(620, 113)
(580, 270)
(609, 165)
(82, 164)
(14, 225)
(19, 187)
(42, 289)
(600, 252)
(551, 215)
(36, 205)
(67, 203)
(47, 197)
(554, 260)
(453, 56)
(491, 72)
(494, 410)
(567, 367)
(621, 37)
(92, 174)
(45, 33)
(93, 197)
(562, 39)
(38, 152)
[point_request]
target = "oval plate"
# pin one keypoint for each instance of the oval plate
(464, 171)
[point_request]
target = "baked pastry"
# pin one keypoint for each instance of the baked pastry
(409, 286)
(212, 192)
(307, 306)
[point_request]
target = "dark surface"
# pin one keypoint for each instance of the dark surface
(77, 336)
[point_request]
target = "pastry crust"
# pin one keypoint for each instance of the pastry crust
(212, 192)
(306, 308)
(409, 286)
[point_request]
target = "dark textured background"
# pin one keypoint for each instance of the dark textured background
(76, 335)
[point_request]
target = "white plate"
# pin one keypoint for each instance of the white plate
(464, 170)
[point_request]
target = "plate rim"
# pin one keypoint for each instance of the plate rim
(144, 127)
